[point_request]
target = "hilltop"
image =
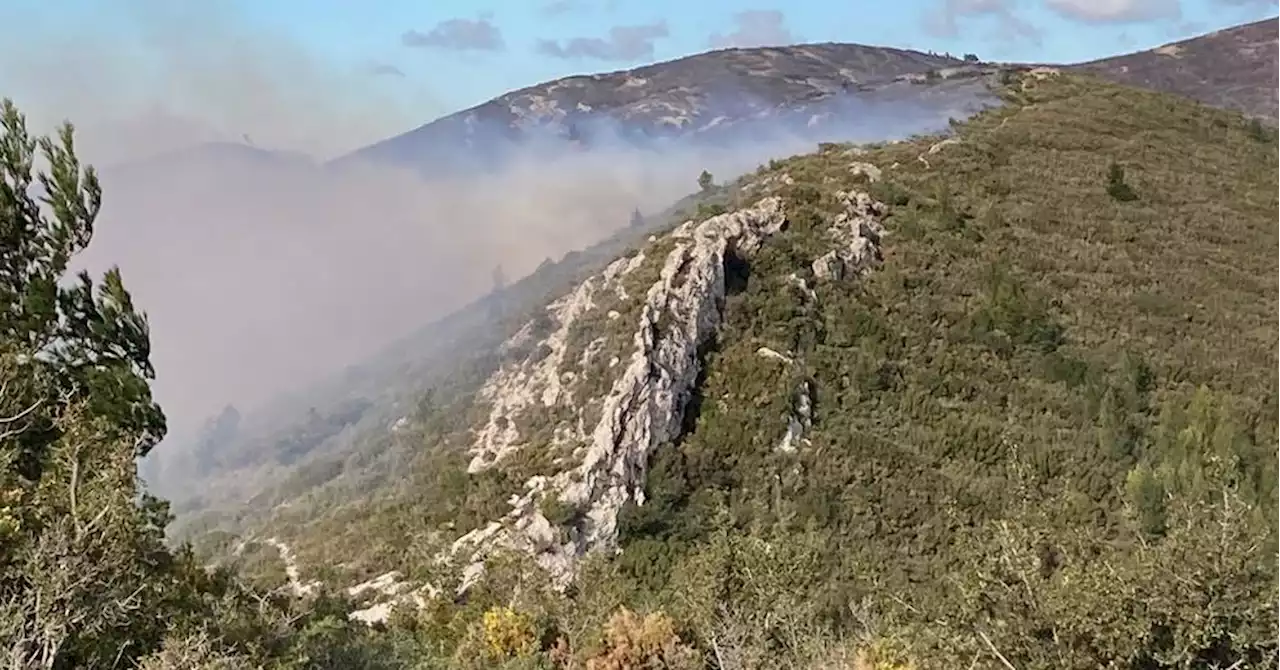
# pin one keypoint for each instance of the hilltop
(815, 91)
(714, 97)
(1234, 68)
(1011, 372)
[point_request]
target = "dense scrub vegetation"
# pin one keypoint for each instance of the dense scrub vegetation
(1044, 437)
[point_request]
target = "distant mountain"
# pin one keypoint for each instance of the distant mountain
(211, 155)
(718, 96)
(209, 170)
(814, 92)
(1234, 68)
(820, 92)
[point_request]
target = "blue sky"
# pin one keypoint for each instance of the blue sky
(426, 59)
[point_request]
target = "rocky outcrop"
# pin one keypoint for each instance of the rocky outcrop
(294, 576)
(388, 591)
(643, 406)
(540, 379)
(935, 148)
(856, 234)
(650, 317)
(799, 419)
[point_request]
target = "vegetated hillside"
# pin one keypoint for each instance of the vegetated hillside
(1016, 377)
(739, 97)
(830, 91)
(715, 97)
(1235, 68)
(1004, 398)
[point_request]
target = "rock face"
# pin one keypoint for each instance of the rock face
(642, 408)
(614, 372)
(856, 233)
(390, 590)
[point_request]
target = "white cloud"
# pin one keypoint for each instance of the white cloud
(755, 28)
(1116, 11)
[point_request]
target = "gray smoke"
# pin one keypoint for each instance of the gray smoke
(263, 272)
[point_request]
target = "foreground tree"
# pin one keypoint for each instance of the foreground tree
(85, 577)
(80, 560)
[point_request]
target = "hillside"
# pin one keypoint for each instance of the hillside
(1234, 68)
(822, 92)
(1000, 397)
(738, 107)
(350, 422)
(714, 97)
(854, 92)
(1013, 373)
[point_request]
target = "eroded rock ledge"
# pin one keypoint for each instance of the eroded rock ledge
(643, 407)
(605, 442)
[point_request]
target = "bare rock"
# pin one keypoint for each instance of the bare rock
(643, 408)
(867, 170)
(800, 419)
(856, 233)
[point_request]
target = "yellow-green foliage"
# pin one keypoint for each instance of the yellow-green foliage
(10, 519)
(880, 656)
(508, 634)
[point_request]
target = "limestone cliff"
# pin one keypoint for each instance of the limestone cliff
(610, 379)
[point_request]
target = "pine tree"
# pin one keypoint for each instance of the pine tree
(87, 336)
(80, 554)
(86, 579)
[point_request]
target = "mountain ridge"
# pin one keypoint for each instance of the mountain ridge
(662, 98)
(835, 68)
(1233, 68)
(1222, 68)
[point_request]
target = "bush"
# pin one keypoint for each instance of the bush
(632, 642)
(508, 634)
(1116, 186)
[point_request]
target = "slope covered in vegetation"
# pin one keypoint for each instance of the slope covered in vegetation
(1032, 426)
(1021, 421)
